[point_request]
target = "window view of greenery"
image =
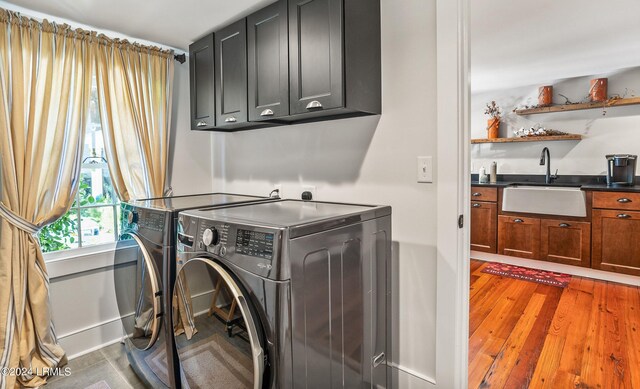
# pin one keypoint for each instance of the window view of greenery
(93, 217)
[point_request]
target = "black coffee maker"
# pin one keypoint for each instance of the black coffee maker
(621, 170)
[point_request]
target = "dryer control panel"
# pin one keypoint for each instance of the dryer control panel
(254, 243)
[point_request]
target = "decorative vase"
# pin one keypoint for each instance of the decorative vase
(545, 96)
(598, 90)
(493, 128)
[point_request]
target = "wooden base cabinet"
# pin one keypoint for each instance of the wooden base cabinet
(519, 236)
(484, 220)
(565, 242)
(616, 237)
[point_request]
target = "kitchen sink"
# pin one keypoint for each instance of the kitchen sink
(547, 200)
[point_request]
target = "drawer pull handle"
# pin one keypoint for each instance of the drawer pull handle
(518, 221)
(201, 124)
(267, 112)
(230, 120)
(624, 200)
(476, 205)
(564, 225)
(477, 194)
(624, 216)
(315, 104)
(378, 360)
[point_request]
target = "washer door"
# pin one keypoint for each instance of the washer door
(216, 333)
(138, 291)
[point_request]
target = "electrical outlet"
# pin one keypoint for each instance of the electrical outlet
(278, 187)
(425, 169)
(312, 189)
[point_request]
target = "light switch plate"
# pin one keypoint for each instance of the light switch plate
(425, 169)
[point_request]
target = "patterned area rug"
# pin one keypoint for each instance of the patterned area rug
(524, 273)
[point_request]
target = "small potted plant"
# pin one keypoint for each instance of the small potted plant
(493, 124)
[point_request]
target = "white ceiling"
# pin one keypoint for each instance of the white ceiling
(174, 23)
(513, 43)
(516, 43)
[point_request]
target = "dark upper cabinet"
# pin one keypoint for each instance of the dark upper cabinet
(231, 76)
(334, 58)
(268, 62)
(201, 68)
(316, 55)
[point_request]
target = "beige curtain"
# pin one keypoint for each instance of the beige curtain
(135, 90)
(44, 94)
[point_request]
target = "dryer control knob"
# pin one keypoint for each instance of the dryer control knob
(210, 237)
(132, 217)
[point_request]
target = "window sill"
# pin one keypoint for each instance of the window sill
(81, 260)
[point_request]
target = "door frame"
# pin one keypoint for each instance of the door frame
(453, 137)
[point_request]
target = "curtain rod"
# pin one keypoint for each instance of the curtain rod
(182, 58)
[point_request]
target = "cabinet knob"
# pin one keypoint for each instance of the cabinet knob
(315, 104)
(476, 205)
(624, 200)
(230, 120)
(564, 225)
(477, 194)
(266, 112)
(201, 124)
(518, 221)
(624, 216)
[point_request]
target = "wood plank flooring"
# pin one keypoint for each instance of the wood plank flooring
(528, 335)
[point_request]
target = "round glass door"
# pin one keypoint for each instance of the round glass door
(215, 331)
(138, 292)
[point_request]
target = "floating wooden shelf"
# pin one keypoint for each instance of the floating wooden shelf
(529, 139)
(580, 106)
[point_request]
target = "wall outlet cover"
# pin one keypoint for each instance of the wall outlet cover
(425, 169)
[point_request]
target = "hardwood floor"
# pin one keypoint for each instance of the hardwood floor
(528, 335)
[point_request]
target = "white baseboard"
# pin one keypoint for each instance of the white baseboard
(91, 338)
(403, 377)
(557, 267)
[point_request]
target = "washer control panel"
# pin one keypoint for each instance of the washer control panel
(254, 243)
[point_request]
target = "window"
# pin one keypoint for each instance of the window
(93, 218)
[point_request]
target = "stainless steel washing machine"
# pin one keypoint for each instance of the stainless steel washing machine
(285, 294)
(144, 273)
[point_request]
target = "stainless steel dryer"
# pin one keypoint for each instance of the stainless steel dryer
(144, 273)
(285, 294)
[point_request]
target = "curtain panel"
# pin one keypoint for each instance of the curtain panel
(135, 88)
(45, 78)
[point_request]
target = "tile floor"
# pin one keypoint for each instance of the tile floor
(101, 369)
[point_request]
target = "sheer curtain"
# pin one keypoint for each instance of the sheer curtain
(44, 93)
(135, 87)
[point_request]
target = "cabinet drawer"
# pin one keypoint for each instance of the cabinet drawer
(519, 236)
(479, 193)
(565, 242)
(617, 200)
(615, 241)
(484, 226)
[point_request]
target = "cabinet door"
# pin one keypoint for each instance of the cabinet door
(484, 226)
(565, 242)
(201, 74)
(615, 241)
(231, 74)
(315, 50)
(519, 236)
(268, 66)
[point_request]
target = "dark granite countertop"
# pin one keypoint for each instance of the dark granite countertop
(590, 183)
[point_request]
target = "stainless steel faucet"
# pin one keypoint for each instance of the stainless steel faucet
(545, 158)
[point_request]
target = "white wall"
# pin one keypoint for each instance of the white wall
(368, 160)
(616, 132)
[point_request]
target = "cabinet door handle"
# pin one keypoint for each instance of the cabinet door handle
(201, 124)
(624, 216)
(476, 194)
(315, 104)
(518, 221)
(230, 120)
(266, 112)
(378, 360)
(624, 200)
(476, 205)
(564, 225)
